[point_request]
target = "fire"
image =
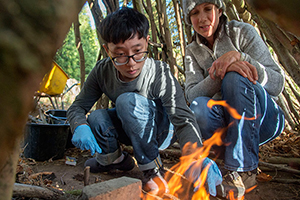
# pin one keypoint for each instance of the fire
(231, 110)
(179, 185)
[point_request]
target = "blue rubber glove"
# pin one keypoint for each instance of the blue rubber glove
(84, 139)
(214, 176)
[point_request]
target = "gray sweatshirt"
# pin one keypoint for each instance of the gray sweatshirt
(154, 82)
(233, 36)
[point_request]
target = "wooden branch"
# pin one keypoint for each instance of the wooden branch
(291, 106)
(286, 181)
(284, 160)
(86, 175)
(156, 44)
(32, 191)
(295, 92)
(279, 167)
(287, 116)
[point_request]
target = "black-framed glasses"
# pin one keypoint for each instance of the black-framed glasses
(137, 57)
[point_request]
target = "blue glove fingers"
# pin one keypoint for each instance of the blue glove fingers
(96, 147)
(214, 177)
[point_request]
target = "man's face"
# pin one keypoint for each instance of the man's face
(131, 70)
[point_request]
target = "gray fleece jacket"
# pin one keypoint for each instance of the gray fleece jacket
(233, 36)
(155, 82)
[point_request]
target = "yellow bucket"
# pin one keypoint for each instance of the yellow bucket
(54, 82)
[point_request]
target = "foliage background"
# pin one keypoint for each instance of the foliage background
(68, 57)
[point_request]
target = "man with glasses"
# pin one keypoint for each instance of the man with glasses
(149, 104)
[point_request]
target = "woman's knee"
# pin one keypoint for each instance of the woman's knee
(233, 83)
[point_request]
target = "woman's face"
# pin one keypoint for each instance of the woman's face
(205, 20)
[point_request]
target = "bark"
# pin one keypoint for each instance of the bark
(283, 160)
(187, 28)
(243, 13)
(231, 11)
(285, 58)
(284, 13)
(111, 5)
(291, 105)
(80, 51)
(30, 38)
(179, 28)
(149, 11)
(279, 167)
(32, 191)
(161, 34)
(137, 4)
(286, 181)
(98, 17)
(295, 92)
(86, 175)
(165, 30)
(286, 112)
(169, 43)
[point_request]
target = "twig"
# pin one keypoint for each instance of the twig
(62, 180)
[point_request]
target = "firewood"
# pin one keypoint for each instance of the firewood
(286, 181)
(292, 162)
(279, 167)
(32, 191)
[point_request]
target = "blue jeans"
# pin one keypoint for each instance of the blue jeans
(243, 137)
(135, 121)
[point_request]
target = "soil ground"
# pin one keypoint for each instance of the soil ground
(272, 184)
(70, 178)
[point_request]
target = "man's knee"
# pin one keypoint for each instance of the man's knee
(198, 105)
(96, 116)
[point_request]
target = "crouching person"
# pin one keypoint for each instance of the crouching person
(150, 109)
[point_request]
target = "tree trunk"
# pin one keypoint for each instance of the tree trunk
(111, 5)
(149, 11)
(165, 32)
(285, 110)
(180, 28)
(137, 4)
(284, 13)
(80, 51)
(162, 35)
(30, 38)
(286, 59)
(98, 17)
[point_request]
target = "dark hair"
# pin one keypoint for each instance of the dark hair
(123, 24)
(222, 21)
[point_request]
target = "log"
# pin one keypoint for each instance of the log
(286, 181)
(279, 167)
(32, 191)
(283, 160)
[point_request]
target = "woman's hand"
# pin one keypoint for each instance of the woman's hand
(230, 61)
(245, 69)
(219, 67)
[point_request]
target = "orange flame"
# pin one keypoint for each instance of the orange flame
(179, 186)
(231, 110)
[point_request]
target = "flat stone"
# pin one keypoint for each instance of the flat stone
(118, 188)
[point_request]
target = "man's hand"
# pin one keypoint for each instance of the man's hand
(84, 139)
(213, 178)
